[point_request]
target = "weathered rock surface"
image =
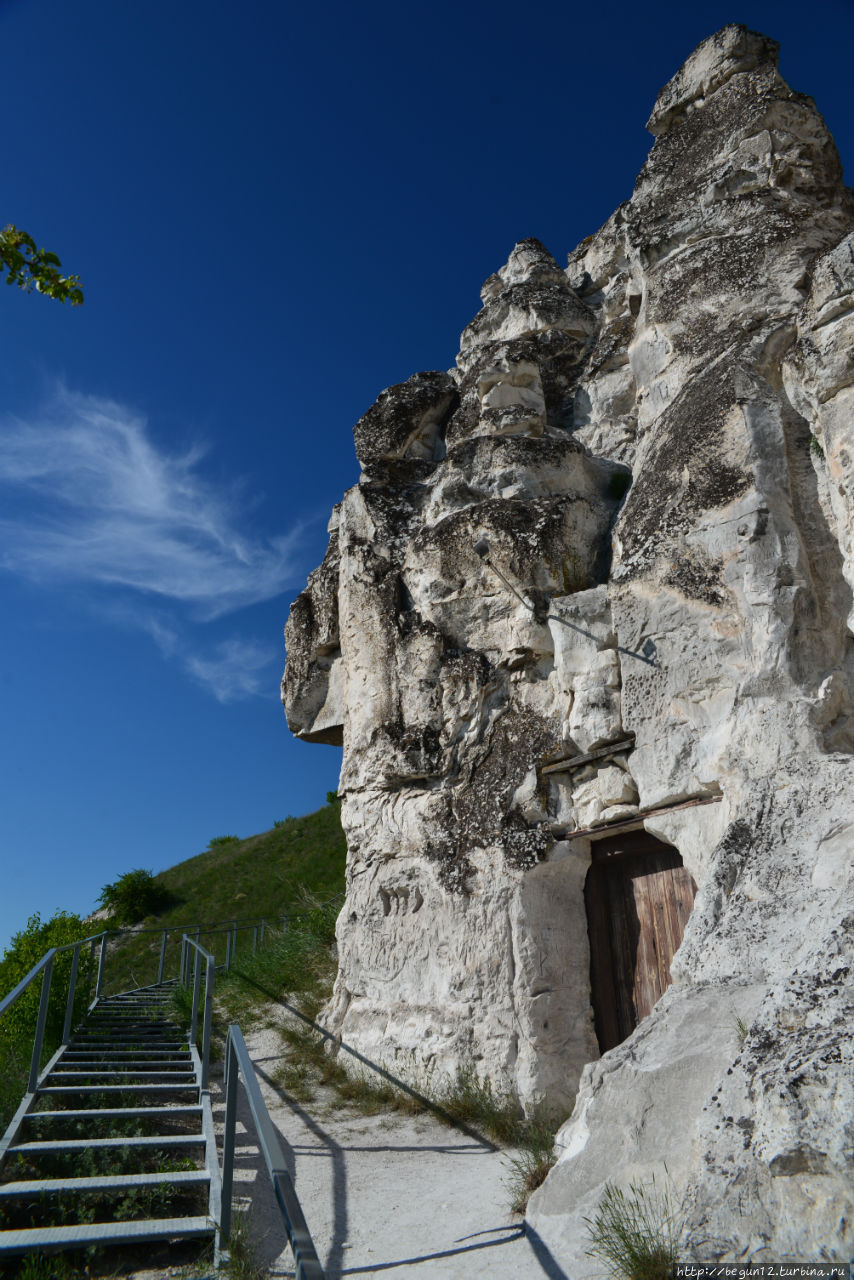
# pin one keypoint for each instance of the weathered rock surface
(657, 447)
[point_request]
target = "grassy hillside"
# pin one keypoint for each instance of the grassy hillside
(277, 872)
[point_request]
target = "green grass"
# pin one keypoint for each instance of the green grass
(241, 1262)
(536, 1157)
(635, 1232)
(262, 875)
(472, 1101)
(308, 1066)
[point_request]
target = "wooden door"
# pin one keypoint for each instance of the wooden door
(639, 897)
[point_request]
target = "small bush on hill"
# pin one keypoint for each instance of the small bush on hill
(134, 896)
(259, 875)
(218, 841)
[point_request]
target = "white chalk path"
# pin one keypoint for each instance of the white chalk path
(384, 1196)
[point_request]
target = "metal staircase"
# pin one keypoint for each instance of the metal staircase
(126, 1098)
(113, 1141)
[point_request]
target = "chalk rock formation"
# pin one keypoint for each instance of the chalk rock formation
(654, 453)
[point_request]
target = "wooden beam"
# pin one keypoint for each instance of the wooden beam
(575, 762)
(624, 824)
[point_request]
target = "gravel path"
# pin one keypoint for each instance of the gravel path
(387, 1195)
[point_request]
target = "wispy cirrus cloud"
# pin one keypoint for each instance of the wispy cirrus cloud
(232, 669)
(236, 669)
(91, 498)
(88, 498)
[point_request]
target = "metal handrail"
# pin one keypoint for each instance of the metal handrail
(237, 1061)
(9, 1000)
(45, 967)
(235, 925)
(207, 1019)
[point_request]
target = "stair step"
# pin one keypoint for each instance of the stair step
(170, 1046)
(84, 1144)
(133, 1020)
(177, 1036)
(141, 1229)
(115, 1112)
(105, 1182)
(120, 1019)
(136, 1002)
(115, 1088)
(89, 1073)
(124, 1055)
(134, 1027)
(169, 1034)
(157, 1007)
(146, 1064)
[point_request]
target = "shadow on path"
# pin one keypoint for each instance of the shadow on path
(427, 1103)
(275, 1239)
(516, 1234)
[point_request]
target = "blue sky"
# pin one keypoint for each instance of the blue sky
(276, 210)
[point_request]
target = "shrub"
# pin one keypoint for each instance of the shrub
(17, 1026)
(219, 841)
(635, 1232)
(332, 797)
(536, 1157)
(25, 950)
(134, 896)
(469, 1100)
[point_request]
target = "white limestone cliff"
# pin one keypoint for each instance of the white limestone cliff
(657, 447)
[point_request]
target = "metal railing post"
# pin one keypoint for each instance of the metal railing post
(162, 963)
(228, 1136)
(208, 1019)
(263, 927)
(72, 988)
(91, 973)
(255, 940)
(197, 978)
(101, 958)
(228, 951)
(40, 1026)
(234, 941)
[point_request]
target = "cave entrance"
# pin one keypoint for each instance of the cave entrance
(638, 897)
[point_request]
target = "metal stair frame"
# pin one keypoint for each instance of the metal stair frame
(123, 1010)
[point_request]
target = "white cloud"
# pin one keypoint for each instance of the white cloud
(237, 669)
(95, 500)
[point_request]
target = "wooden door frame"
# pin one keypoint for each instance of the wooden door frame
(603, 990)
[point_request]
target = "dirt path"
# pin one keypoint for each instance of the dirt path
(387, 1195)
